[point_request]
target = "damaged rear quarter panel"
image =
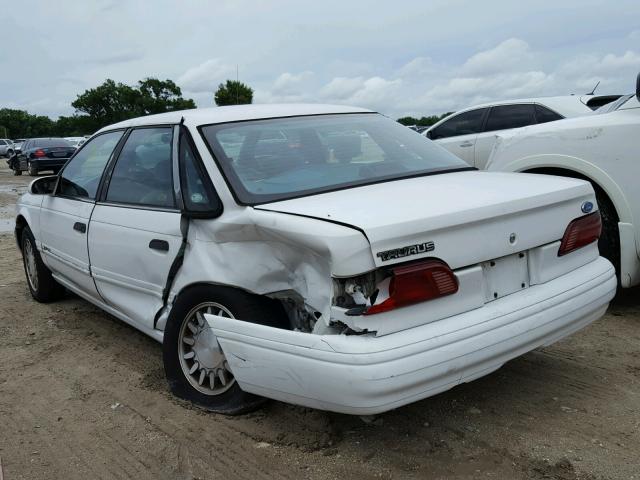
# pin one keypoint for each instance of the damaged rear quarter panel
(265, 252)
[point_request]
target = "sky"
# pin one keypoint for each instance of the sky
(399, 58)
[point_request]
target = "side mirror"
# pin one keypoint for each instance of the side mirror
(429, 135)
(43, 185)
(638, 87)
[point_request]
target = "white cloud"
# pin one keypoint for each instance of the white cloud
(289, 83)
(206, 76)
(508, 55)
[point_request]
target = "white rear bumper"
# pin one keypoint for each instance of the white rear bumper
(363, 374)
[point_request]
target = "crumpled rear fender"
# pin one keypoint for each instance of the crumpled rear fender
(265, 252)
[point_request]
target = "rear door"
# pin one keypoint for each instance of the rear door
(64, 217)
(134, 233)
(458, 134)
(501, 117)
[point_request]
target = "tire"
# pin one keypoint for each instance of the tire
(609, 242)
(228, 399)
(41, 283)
(17, 172)
(33, 171)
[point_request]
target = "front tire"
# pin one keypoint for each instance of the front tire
(42, 285)
(195, 366)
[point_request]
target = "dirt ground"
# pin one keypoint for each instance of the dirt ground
(83, 396)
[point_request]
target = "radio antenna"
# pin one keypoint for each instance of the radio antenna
(594, 88)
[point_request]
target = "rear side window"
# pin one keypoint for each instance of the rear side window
(198, 193)
(81, 176)
(143, 172)
(2, 142)
(544, 115)
(503, 117)
(463, 124)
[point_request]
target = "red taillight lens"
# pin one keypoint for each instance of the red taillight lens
(580, 232)
(415, 283)
(39, 153)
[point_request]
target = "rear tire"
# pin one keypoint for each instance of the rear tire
(33, 171)
(609, 242)
(215, 397)
(42, 285)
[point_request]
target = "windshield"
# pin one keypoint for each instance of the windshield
(276, 159)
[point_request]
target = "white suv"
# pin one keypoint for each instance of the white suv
(321, 255)
(470, 133)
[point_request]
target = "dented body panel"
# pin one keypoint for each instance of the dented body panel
(367, 374)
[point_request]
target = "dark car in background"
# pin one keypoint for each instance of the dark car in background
(38, 154)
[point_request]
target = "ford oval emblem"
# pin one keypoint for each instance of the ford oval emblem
(586, 207)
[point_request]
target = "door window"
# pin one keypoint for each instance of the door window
(503, 117)
(544, 115)
(197, 191)
(143, 174)
(81, 176)
(463, 124)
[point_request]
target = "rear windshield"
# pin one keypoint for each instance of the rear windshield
(276, 159)
(51, 142)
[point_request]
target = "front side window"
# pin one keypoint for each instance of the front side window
(81, 176)
(275, 159)
(503, 117)
(465, 123)
(143, 174)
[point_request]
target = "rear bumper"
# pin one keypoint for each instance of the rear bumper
(362, 374)
(45, 164)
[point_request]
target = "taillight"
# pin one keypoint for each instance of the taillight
(415, 283)
(39, 153)
(580, 232)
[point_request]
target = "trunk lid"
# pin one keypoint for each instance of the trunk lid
(462, 218)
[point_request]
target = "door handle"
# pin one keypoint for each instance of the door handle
(80, 227)
(466, 144)
(157, 244)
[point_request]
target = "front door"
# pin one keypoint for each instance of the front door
(64, 218)
(134, 233)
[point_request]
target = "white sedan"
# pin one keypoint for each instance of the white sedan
(600, 148)
(471, 133)
(320, 255)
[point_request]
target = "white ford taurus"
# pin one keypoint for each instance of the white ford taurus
(320, 255)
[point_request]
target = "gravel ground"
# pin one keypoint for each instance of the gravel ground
(83, 395)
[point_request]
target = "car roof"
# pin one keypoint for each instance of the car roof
(565, 105)
(235, 113)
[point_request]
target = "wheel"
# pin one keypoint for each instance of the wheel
(194, 364)
(609, 242)
(33, 171)
(41, 283)
(17, 172)
(9, 153)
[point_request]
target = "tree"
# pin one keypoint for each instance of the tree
(21, 124)
(423, 121)
(233, 93)
(113, 102)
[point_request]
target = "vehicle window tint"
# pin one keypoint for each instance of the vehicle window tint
(509, 116)
(2, 142)
(143, 172)
(81, 176)
(197, 190)
(462, 124)
(544, 115)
